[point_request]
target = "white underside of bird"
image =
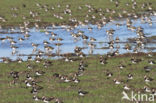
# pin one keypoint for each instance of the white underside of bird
(126, 88)
(28, 85)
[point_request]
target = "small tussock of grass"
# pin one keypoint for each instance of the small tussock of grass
(94, 80)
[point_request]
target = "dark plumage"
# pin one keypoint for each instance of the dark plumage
(56, 75)
(82, 93)
(147, 68)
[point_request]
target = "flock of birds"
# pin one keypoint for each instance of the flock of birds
(31, 79)
(54, 39)
(90, 41)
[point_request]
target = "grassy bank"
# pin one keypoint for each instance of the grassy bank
(94, 80)
(14, 17)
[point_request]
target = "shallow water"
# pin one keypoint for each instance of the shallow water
(68, 46)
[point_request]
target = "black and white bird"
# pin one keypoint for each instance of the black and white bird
(147, 89)
(147, 68)
(36, 98)
(147, 79)
(39, 73)
(117, 81)
(130, 76)
(126, 87)
(121, 66)
(34, 91)
(76, 80)
(109, 74)
(28, 77)
(82, 93)
(29, 66)
(153, 92)
(28, 84)
(46, 99)
(151, 62)
(66, 80)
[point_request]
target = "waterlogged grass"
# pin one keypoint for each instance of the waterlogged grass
(94, 80)
(48, 18)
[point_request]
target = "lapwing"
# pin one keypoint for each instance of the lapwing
(82, 93)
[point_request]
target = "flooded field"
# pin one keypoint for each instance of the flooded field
(92, 39)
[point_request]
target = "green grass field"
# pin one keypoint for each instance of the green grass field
(25, 6)
(94, 80)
